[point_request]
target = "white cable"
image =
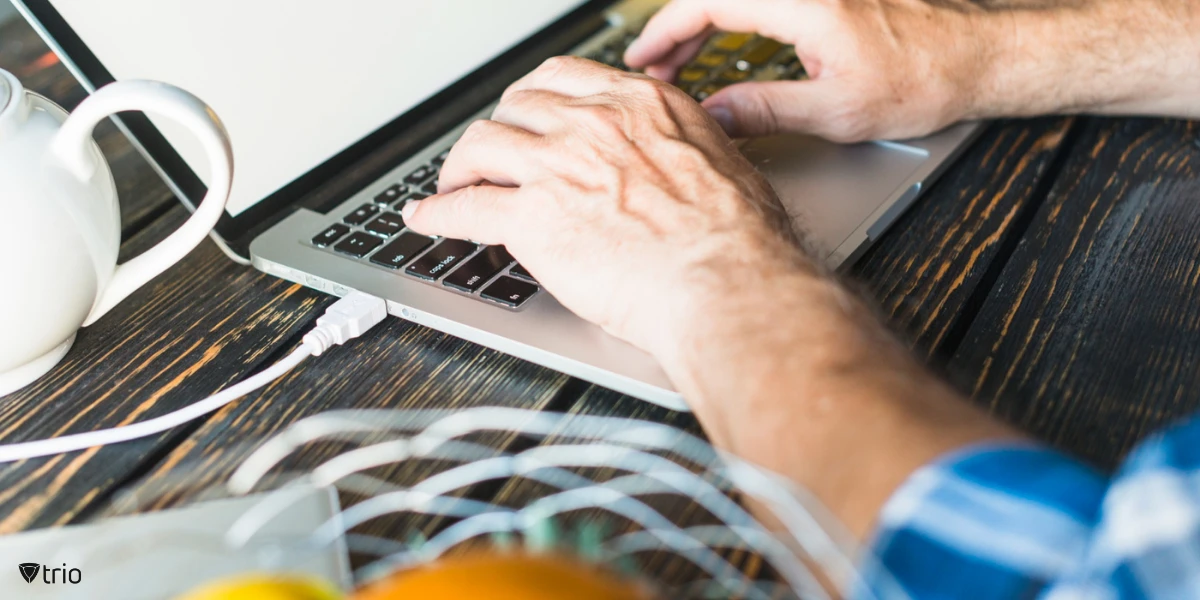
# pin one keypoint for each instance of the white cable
(345, 320)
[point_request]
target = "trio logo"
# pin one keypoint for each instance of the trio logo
(29, 572)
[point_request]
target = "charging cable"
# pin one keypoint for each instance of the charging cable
(345, 320)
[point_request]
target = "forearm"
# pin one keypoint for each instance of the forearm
(800, 378)
(1133, 57)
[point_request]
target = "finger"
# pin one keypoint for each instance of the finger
(764, 108)
(538, 111)
(491, 152)
(486, 214)
(682, 21)
(571, 76)
(668, 68)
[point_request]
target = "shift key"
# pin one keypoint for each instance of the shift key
(441, 259)
(477, 271)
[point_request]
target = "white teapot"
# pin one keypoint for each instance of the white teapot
(60, 226)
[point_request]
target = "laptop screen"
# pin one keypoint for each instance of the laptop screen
(296, 82)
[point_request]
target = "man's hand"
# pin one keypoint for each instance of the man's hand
(627, 202)
(877, 68)
(889, 69)
(620, 194)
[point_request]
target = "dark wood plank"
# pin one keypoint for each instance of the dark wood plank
(175, 341)
(1091, 339)
(143, 194)
(927, 272)
(399, 365)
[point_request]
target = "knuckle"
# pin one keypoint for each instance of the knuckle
(556, 64)
(519, 97)
(477, 131)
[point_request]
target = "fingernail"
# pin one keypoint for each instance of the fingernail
(723, 116)
(409, 209)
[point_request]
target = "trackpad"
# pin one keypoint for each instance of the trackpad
(830, 189)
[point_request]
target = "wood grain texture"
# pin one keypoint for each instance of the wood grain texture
(399, 365)
(204, 324)
(1091, 338)
(143, 194)
(928, 269)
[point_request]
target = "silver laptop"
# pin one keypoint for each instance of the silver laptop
(342, 112)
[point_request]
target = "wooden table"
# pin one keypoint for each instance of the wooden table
(1052, 274)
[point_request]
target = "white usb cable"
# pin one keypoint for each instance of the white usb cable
(345, 320)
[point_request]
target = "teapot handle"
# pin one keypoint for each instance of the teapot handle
(72, 145)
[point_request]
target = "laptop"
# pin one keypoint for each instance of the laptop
(342, 112)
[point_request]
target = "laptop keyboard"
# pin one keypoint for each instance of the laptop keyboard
(375, 232)
(725, 59)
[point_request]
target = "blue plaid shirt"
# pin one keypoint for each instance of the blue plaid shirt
(1023, 521)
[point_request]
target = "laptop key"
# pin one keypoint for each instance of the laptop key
(358, 244)
(429, 189)
(482, 267)
(440, 159)
(389, 223)
(330, 235)
(692, 75)
(401, 250)
(732, 75)
(759, 54)
(390, 195)
(710, 60)
(509, 291)
(361, 214)
(419, 176)
(731, 42)
(520, 271)
(441, 259)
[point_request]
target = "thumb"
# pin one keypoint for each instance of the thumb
(764, 108)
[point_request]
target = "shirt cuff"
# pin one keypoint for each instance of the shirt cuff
(996, 520)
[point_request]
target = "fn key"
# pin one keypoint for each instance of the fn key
(509, 291)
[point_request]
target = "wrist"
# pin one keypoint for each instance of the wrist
(730, 341)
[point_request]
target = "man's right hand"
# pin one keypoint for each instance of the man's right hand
(878, 69)
(893, 69)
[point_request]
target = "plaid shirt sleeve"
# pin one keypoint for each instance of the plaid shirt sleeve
(1023, 521)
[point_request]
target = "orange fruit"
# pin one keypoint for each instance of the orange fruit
(508, 576)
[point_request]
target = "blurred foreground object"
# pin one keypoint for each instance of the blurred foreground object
(514, 576)
(605, 505)
(265, 587)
